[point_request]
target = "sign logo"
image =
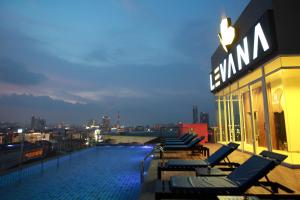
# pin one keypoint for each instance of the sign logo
(245, 54)
(227, 33)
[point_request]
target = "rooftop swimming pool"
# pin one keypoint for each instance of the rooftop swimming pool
(104, 172)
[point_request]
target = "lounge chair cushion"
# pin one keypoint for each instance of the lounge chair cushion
(251, 171)
(205, 185)
(189, 145)
(219, 155)
(183, 142)
(212, 160)
(187, 163)
(195, 141)
(275, 156)
(176, 143)
(175, 146)
(177, 138)
(236, 182)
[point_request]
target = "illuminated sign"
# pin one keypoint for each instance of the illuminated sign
(227, 33)
(244, 56)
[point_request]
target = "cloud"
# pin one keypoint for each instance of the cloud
(105, 57)
(16, 73)
(161, 108)
(98, 55)
(195, 41)
(22, 107)
(114, 92)
(135, 73)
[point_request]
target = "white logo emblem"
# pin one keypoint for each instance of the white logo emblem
(227, 33)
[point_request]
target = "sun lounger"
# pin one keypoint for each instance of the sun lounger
(216, 171)
(181, 138)
(185, 141)
(278, 158)
(190, 165)
(178, 140)
(236, 183)
(188, 146)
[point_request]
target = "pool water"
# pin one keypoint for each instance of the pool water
(108, 172)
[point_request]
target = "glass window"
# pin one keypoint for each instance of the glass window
(276, 112)
(290, 103)
(283, 90)
(242, 114)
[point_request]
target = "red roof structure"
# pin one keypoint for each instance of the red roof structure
(200, 129)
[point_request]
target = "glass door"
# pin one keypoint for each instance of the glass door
(230, 127)
(233, 118)
(236, 120)
(258, 117)
(223, 119)
(247, 125)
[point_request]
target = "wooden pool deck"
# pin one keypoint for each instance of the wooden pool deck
(281, 174)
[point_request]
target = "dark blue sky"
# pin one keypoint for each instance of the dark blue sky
(72, 60)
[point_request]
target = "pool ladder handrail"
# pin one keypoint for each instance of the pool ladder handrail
(142, 166)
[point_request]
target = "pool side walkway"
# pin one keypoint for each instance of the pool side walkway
(283, 175)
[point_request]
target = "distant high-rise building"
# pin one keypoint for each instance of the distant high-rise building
(106, 123)
(32, 125)
(204, 118)
(195, 114)
(118, 120)
(38, 123)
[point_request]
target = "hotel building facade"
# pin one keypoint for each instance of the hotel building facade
(255, 78)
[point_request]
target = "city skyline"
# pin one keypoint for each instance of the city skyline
(76, 61)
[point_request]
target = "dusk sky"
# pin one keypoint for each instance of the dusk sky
(74, 60)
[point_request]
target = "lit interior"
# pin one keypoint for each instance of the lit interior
(244, 107)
